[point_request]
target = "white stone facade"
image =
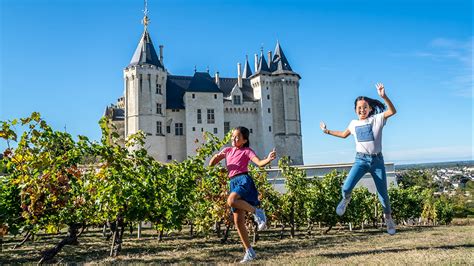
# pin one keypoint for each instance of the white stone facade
(266, 102)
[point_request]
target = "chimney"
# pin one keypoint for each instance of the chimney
(239, 73)
(218, 81)
(269, 59)
(161, 54)
(256, 63)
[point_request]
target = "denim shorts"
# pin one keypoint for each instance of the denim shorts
(244, 186)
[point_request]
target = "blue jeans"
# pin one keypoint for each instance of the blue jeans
(373, 164)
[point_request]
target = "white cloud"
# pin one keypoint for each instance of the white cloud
(443, 50)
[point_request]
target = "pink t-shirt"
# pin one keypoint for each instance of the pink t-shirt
(237, 159)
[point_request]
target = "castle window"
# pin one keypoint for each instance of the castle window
(226, 127)
(268, 97)
(158, 109)
(194, 129)
(158, 88)
(215, 130)
(159, 130)
(194, 95)
(215, 96)
(251, 130)
(210, 116)
(168, 129)
(178, 129)
(141, 83)
(270, 129)
(269, 111)
(237, 99)
(199, 116)
(170, 157)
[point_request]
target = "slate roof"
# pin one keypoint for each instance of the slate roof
(279, 60)
(175, 88)
(227, 84)
(202, 82)
(262, 64)
(145, 52)
(247, 71)
(115, 113)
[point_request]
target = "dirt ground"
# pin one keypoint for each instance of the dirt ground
(438, 245)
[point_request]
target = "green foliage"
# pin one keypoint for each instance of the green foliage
(270, 198)
(324, 195)
(406, 203)
(463, 201)
(444, 210)
(292, 206)
(208, 204)
(42, 171)
(420, 178)
(50, 180)
(362, 207)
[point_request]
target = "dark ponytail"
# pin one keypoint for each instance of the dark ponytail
(376, 105)
(245, 133)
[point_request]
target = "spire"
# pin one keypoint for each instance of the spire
(247, 71)
(145, 19)
(145, 52)
(279, 59)
(262, 63)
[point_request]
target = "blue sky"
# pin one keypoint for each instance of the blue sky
(65, 60)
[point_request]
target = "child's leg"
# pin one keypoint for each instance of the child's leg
(380, 179)
(235, 201)
(239, 221)
(358, 170)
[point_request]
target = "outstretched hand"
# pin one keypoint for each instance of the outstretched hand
(272, 154)
(322, 126)
(380, 89)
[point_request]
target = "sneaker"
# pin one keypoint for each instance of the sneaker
(260, 219)
(341, 207)
(390, 226)
(249, 255)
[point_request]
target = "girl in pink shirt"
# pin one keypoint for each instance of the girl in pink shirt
(243, 195)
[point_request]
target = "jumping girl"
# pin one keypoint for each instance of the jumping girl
(367, 130)
(243, 195)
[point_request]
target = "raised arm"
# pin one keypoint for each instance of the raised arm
(271, 156)
(216, 158)
(341, 134)
(391, 109)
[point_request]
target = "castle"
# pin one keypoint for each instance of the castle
(175, 110)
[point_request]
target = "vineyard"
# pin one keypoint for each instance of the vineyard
(51, 183)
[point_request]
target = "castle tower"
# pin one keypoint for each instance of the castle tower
(261, 84)
(276, 87)
(286, 107)
(145, 94)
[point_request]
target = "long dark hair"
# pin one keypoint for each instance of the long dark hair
(376, 105)
(245, 133)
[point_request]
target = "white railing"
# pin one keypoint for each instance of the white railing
(319, 170)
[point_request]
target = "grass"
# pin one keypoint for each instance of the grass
(434, 245)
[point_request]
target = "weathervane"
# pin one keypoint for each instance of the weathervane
(145, 20)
